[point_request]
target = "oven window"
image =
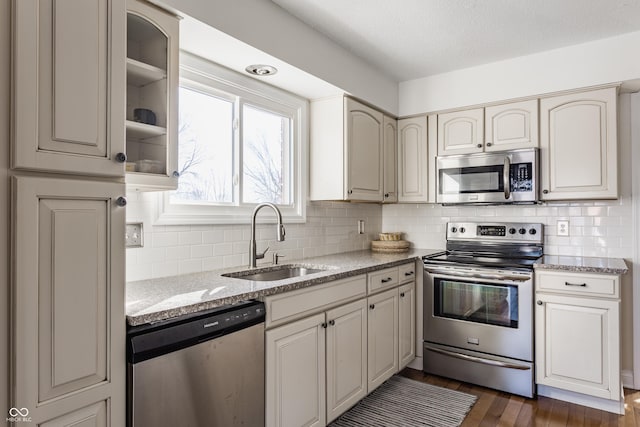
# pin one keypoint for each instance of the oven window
(476, 302)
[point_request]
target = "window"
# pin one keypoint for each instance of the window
(241, 142)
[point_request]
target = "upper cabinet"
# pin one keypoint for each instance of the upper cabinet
(578, 146)
(511, 126)
(152, 98)
(389, 173)
(461, 132)
(346, 151)
(412, 160)
(68, 80)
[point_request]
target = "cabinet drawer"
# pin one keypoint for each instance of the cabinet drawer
(382, 279)
(407, 272)
(293, 305)
(578, 283)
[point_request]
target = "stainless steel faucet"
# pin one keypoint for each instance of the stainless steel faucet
(253, 256)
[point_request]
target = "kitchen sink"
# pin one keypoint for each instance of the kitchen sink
(275, 273)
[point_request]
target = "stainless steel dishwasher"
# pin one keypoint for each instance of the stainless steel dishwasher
(200, 370)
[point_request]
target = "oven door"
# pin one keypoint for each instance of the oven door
(508, 177)
(480, 309)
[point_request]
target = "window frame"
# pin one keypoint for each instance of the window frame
(205, 76)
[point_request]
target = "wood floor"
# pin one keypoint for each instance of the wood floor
(495, 408)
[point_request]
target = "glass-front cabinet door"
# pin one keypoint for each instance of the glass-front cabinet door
(152, 95)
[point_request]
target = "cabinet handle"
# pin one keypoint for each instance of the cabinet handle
(121, 201)
(489, 144)
(479, 145)
(332, 322)
(409, 273)
(176, 174)
(372, 306)
(386, 195)
(582, 285)
(545, 191)
(388, 279)
(401, 294)
(324, 324)
(539, 302)
(121, 157)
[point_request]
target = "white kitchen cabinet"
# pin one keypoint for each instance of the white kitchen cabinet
(461, 132)
(577, 336)
(68, 81)
(578, 146)
(295, 373)
(68, 310)
(406, 324)
(346, 357)
(346, 151)
(413, 166)
(152, 98)
(390, 176)
(382, 332)
(511, 126)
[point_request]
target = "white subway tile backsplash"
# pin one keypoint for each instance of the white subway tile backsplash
(164, 239)
(201, 251)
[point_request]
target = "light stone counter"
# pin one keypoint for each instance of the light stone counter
(582, 264)
(153, 300)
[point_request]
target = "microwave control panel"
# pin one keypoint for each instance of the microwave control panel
(521, 177)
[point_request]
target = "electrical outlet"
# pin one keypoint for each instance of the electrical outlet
(361, 226)
(563, 228)
(133, 235)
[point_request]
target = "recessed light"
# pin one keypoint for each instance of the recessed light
(261, 70)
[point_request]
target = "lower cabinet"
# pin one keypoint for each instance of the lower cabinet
(578, 337)
(406, 324)
(382, 333)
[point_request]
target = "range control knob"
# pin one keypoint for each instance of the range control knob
(453, 229)
(532, 231)
(522, 231)
(512, 230)
(462, 229)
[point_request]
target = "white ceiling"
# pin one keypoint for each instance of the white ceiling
(408, 39)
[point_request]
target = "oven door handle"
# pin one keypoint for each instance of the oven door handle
(478, 359)
(494, 276)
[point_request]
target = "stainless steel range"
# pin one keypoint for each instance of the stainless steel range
(478, 302)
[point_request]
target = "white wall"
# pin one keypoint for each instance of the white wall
(599, 62)
(331, 227)
(265, 26)
(597, 228)
(5, 97)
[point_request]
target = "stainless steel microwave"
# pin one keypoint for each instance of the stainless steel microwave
(489, 178)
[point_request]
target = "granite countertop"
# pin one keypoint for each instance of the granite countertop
(153, 300)
(582, 264)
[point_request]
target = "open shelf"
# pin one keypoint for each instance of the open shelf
(141, 74)
(142, 131)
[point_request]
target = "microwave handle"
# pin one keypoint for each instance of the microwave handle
(505, 178)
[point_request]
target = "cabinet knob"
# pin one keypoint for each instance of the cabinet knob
(121, 201)
(176, 174)
(372, 306)
(401, 294)
(545, 191)
(121, 157)
(332, 322)
(489, 144)
(350, 191)
(324, 324)
(539, 302)
(479, 145)
(386, 195)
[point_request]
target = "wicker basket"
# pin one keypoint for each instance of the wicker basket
(391, 236)
(390, 246)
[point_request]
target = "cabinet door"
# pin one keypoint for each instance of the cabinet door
(69, 323)
(152, 84)
(406, 324)
(578, 146)
(295, 369)
(390, 185)
(346, 357)
(461, 132)
(364, 152)
(511, 126)
(578, 344)
(382, 332)
(412, 160)
(69, 86)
